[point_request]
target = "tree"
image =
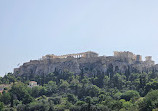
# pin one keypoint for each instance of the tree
(1, 106)
(150, 101)
(88, 100)
(130, 94)
(51, 87)
(117, 95)
(21, 91)
(119, 80)
(75, 85)
(99, 79)
(127, 105)
(27, 99)
(9, 78)
(143, 80)
(5, 98)
(151, 85)
(38, 106)
(64, 85)
(36, 91)
(72, 98)
(93, 90)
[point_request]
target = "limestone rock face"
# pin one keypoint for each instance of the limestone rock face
(88, 66)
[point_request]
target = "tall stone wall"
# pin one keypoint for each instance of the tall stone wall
(128, 56)
(124, 54)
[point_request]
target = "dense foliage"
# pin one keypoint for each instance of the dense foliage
(69, 92)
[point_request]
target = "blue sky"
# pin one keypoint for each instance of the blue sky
(33, 28)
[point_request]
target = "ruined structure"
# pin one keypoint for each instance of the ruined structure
(138, 58)
(88, 63)
(128, 56)
(88, 54)
(149, 61)
(148, 58)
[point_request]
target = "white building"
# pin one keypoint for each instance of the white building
(32, 84)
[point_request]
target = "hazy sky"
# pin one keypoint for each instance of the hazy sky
(30, 29)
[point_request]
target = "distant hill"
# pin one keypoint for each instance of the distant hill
(88, 63)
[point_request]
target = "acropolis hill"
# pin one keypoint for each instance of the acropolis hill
(88, 63)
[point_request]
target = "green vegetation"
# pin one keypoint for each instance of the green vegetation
(69, 92)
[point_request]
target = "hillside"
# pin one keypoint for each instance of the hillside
(122, 82)
(121, 62)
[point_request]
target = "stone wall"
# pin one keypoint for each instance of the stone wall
(124, 54)
(129, 56)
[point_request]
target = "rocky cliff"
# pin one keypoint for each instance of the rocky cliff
(103, 64)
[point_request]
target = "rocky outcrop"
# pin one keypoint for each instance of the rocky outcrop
(92, 65)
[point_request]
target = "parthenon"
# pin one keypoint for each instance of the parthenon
(88, 54)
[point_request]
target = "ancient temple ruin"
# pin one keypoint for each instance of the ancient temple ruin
(127, 55)
(88, 54)
(148, 60)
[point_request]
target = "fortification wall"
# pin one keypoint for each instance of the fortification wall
(128, 55)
